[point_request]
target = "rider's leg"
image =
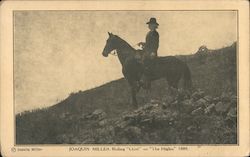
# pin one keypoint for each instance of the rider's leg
(146, 77)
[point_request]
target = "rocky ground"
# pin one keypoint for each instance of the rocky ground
(104, 114)
(197, 119)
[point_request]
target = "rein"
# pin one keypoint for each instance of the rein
(115, 52)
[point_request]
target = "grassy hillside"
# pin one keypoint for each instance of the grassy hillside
(77, 118)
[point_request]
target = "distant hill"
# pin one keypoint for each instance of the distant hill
(213, 71)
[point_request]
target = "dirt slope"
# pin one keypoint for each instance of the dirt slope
(104, 114)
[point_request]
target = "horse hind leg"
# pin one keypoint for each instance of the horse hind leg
(135, 88)
(147, 96)
(172, 87)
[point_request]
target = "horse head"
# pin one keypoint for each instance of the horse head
(110, 45)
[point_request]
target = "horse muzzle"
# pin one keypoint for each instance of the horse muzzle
(105, 54)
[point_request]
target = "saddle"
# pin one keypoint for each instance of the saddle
(139, 54)
(142, 57)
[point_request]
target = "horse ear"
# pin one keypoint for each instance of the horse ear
(109, 33)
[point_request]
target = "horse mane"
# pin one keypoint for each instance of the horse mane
(125, 43)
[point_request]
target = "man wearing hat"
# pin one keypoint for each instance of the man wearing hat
(152, 39)
(150, 48)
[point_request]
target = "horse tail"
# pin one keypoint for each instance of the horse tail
(187, 77)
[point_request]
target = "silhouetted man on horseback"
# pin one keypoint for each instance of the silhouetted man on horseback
(134, 68)
(150, 48)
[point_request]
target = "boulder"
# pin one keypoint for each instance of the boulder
(98, 114)
(147, 107)
(195, 96)
(163, 118)
(232, 113)
(221, 107)
(174, 114)
(208, 98)
(192, 127)
(216, 100)
(175, 103)
(202, 49)
(121, 124)
(234, 101)
(103, 122)
(209, 108)
(231, 117)
(168, 99)
(154, 101)
(131, 116)
(201, 102)
(164, 105)
(181, 95)
(146, 121)
(197, 111)
(187, 102)
(198, 94)
(187, 105)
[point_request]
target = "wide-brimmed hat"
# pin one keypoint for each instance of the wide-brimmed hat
(152, 21)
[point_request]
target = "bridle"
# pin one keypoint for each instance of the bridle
(114, 54)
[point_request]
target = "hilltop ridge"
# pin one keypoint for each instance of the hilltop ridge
(103, 109)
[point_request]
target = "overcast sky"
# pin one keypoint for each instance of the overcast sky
(59, 52)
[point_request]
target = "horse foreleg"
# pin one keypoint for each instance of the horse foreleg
(148, 95)
(133, 92)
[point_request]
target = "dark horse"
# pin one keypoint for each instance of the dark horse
(170, 68)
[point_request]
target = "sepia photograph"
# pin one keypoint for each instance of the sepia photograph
(124, 78)
(128, 77)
